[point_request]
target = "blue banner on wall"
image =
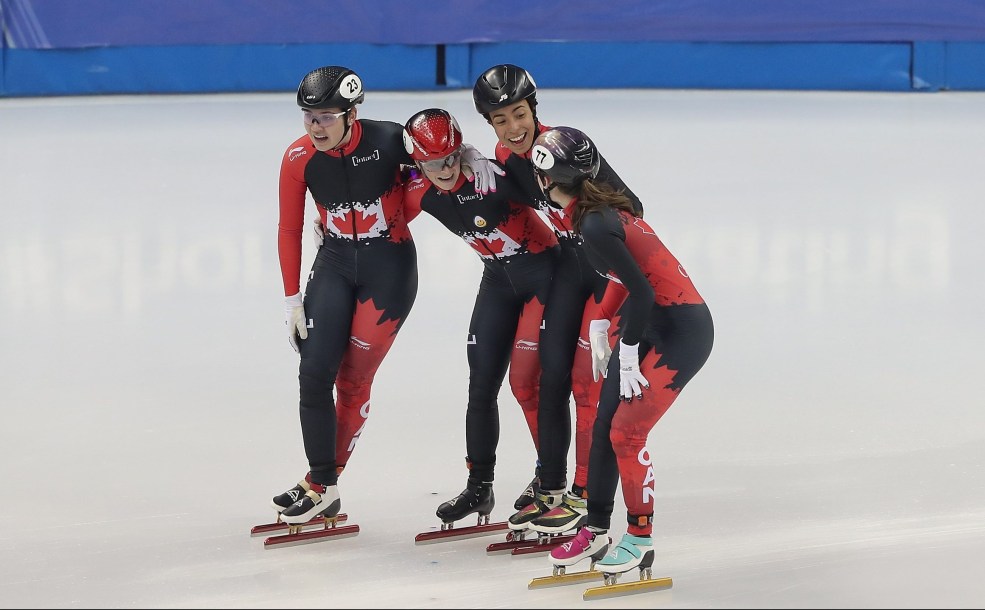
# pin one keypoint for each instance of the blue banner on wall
(67, 24)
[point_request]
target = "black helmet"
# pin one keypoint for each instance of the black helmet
(565, 155)
(330, 87)
(501, 86)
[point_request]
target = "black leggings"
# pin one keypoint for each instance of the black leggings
(356, 299)
(575, 288)
(504, 333)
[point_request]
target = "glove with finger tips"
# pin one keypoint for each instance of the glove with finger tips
(598, 337)
(297, 327)
(484, 171)
(631, 380)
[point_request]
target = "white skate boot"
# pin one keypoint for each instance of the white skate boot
(320, 500)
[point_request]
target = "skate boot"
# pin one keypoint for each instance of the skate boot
(528, 495)
(542, 504)
(571, 514)
(475, 498)
(587, 543)
(320, 500)
(632, 551)
(292, 495)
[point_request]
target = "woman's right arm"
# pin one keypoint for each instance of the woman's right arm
(292, 191)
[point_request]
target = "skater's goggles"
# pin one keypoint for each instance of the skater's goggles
(325, 119)
(439, 164)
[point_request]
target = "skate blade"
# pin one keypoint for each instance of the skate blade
(514, 540)
(459, 533)
(543, 582)
(266, 528)
(276, 542)
(625, 588)
(541, 546)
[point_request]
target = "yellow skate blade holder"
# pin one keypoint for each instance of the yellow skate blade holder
(556, 580)
(626, 588)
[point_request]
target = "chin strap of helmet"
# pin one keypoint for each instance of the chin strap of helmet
(345, 132)
(348, 125)
(573, 187)
(547, 194)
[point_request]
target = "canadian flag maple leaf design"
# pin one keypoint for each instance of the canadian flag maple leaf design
(384, 326)
(496, 245)
(364, 221)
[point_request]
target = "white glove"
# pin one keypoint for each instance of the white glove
(484, 171)
(297, 325)
(631, 380)
(598, 336)
(319, 235)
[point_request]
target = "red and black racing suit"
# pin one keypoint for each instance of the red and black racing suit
(518, 252)
(565, 351)
(673, 326)
(362, 283)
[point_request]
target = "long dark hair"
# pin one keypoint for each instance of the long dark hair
(593, 195)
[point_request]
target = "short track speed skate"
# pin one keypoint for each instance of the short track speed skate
(522, 538)
(631, 552)
(553, 519)
(313, 516)
(477, 499)
(586, 544)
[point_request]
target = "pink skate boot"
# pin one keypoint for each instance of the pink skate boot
(587, 543)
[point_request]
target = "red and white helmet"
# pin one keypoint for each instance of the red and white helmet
(432, 134)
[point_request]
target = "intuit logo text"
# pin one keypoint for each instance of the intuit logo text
(374, 156)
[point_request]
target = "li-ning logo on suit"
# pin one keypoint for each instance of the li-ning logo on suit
(296, 153)
(373, 156)
(359, 343)
(527, 345)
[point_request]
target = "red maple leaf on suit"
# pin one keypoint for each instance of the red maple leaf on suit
(377, 327)
(495, 245)
(364, 221)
